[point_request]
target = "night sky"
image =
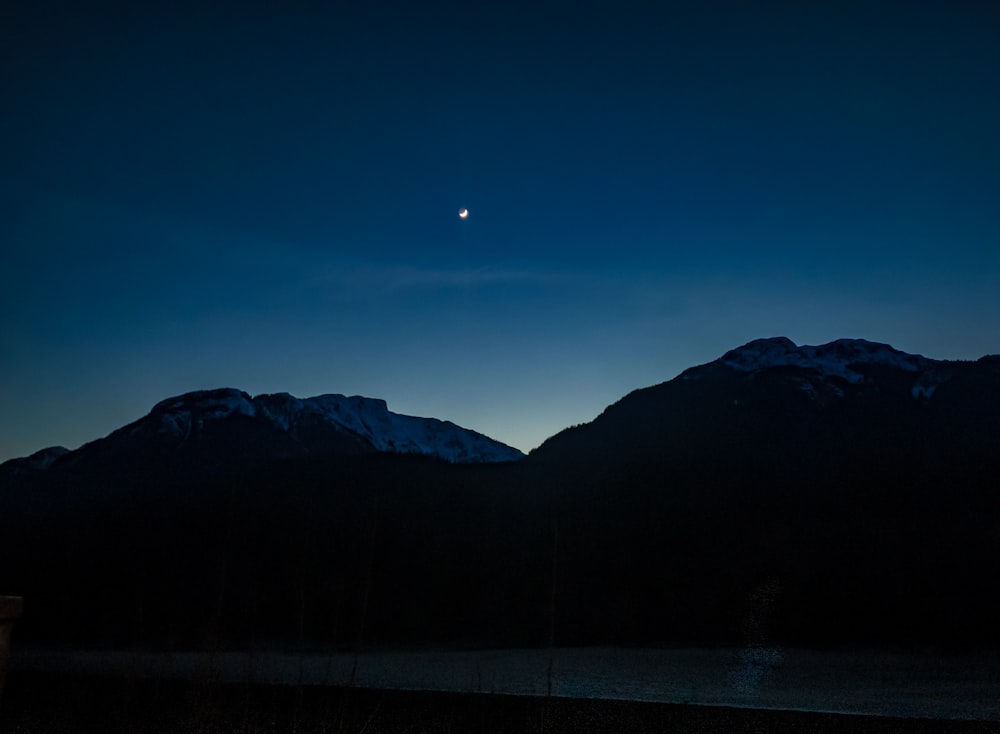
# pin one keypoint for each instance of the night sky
(265, 196)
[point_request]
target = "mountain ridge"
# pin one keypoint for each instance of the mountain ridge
(832, 376)
(367, 423)
(370, 419)
(817, 479)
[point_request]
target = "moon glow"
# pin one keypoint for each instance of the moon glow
(463, 213)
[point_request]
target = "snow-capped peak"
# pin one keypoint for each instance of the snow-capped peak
(835, 358)
(368, 418)
(388, 431)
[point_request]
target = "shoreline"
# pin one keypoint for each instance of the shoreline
(892, 685)
(46, 703)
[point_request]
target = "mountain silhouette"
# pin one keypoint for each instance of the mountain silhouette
(842, 495)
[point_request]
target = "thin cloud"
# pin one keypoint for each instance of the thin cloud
(406, 278)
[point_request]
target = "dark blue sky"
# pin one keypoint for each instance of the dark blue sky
(265, 196)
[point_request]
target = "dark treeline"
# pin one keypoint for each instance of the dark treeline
(770, 509)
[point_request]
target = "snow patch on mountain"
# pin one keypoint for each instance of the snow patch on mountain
(838, 358)
(210, 403)
(369, 418)
(184, 414)
(38, 461)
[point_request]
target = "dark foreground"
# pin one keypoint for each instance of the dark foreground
(39, 703)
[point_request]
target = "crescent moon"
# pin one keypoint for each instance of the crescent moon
(463, 213)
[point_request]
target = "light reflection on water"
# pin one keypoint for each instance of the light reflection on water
(959, 687)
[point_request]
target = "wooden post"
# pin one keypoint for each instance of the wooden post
(10, 609)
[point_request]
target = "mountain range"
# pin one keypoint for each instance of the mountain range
(224, 430)
(836, 495)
